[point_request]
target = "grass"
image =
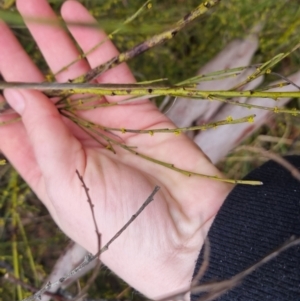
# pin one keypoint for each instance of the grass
(30, 242)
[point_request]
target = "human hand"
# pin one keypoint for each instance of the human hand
(156, 254)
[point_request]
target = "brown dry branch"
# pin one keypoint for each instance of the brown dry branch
(98, 262)
(15, 281)
(145, 204)
(220, 288)
(273, 156)
(89, 200)
(88, 258)
(205, 263)
(71, 257)
(215, 289)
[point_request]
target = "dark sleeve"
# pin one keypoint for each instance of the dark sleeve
(254, 221)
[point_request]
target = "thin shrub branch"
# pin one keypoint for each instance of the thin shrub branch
(89, 257)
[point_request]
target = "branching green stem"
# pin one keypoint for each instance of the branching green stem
(89, 128)
(150, 43)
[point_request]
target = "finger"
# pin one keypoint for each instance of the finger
(31, 148)
(12, 135)
(17, 149)
(56, 150)
(87, 38)
(15, 65)
(56, 46)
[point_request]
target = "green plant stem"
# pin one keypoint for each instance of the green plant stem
(86, 126)
(28, 251)
(176, 131)
(148, 44)
(61, 89)
(109, 37)
(15, 254)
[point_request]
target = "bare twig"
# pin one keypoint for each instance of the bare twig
(125, 291)
(223, 286)
(89, 200)
(286, 79)
(218, 288)
(145, 204)
(98, 265)
(12, 279)
(273, 156)
(89, 257)
(205, 263)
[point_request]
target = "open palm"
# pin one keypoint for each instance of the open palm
(156, 254)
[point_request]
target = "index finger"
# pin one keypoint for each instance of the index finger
(54, 42)
(87, 38)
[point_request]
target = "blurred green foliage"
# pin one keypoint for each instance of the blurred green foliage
(196, 45)
(177, 60)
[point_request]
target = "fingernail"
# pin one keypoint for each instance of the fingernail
(16, 100)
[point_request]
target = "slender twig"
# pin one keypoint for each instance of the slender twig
(16, 281)
(266, 67)
(205, 263)
(98, 265)
(90, 281)
(89, 200)
(145, 204)
(109, 37)
(12, 279)
(273, 156)
(150, 43)
(89, 257)
(14, 244)
(229, 120)
(223, 286)
(125, 291)
(216, 75)
(217, 288)
(286, 79)
(132, 149)
(16, 20)
(177, 131)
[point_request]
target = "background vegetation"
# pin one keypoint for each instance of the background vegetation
(30, 242)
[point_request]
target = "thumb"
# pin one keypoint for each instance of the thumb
(53, 144)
